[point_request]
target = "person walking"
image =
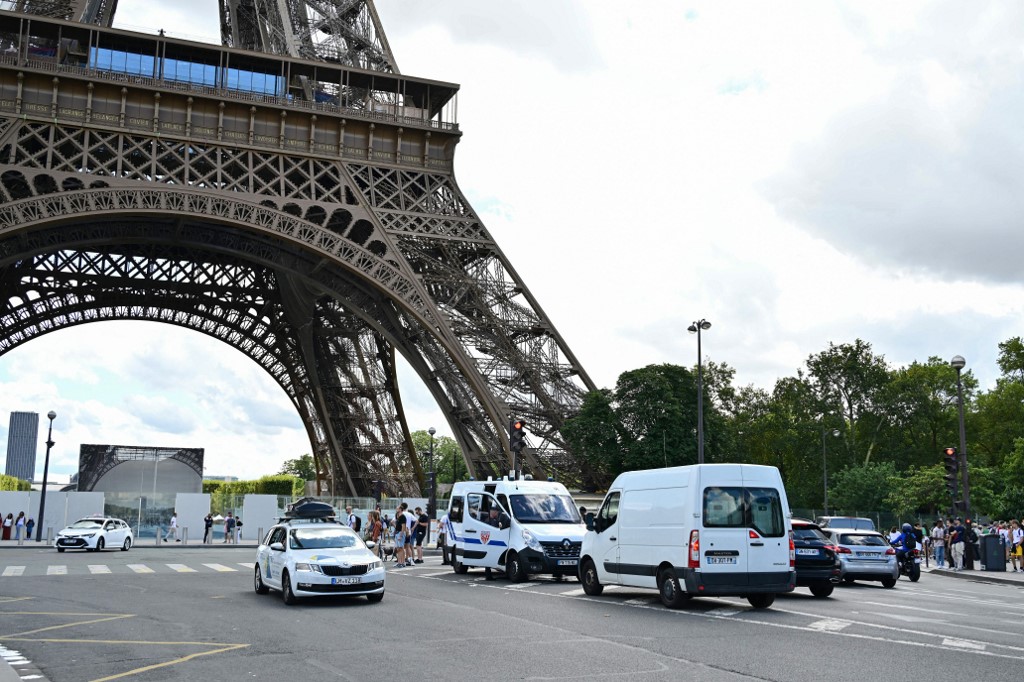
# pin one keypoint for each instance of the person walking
(229, 528)
(207, 528)
(19, 526)
(173, 529)
(938, 535)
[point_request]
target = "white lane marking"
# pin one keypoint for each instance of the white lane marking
(963, 644)
(573, 593)
(725, 613)
(432, 575)
(97, 569)
(829, 625)
(13, 571)
(56, 570)
(521, 586)
(246, 565)
(181, 568)
(220, 568)
(641, 601)
(141, 568)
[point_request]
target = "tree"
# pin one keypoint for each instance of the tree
(862, 488)
(593, 437)
(304, 467)
(1011, 359)
(448, 459)
(657, 410)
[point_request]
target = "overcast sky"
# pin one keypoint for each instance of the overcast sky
(797, 173)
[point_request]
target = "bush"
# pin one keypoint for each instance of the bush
(12, 483)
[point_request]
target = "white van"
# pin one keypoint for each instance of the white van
(540, 529)
(702, 530)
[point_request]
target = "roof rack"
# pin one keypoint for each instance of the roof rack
(309, 508)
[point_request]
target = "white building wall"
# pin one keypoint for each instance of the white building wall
(192, 508)
(258, 512)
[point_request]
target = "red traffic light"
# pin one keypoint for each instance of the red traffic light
(950, 452)
(519, 425)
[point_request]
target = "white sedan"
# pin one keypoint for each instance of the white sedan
(94, 533)
(307, 558)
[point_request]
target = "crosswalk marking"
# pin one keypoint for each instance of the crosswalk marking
(56, 570)
(181, 568)
(141, 568)
(221, 568)
(829, 625)
(244, 564)
(96, 569)
(13, 570)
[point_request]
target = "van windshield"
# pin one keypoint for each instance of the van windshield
(543, 508)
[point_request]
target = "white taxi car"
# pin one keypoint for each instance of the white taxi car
(307, 557)
(95, 533)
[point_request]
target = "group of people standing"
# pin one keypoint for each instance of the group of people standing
(19, 528)
(232, 528)
(954, 542)
(409, 529)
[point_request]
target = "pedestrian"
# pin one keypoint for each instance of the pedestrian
(351, 518)
(375, 530)
(238, 529)
(399, 537)
(959, 534)
(173, 530)
(1016, 547)
(8, 525)
(410, 531)
(30, 526)
(229, 528)
(207, 528)
(422, 524)
(442, 540)
(19, 526)
(894, 533)
(938, 535)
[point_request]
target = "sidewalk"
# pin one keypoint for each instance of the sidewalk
(1000, 577)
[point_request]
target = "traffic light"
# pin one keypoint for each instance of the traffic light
(516, 435)
(952, 464)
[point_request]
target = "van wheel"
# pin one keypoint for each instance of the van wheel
(672, 594)
(588, 576)
(821, 591)
(458, 566)
(514, 569)
(889, 582)
(761, 601)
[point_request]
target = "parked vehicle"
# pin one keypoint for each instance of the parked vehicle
(864, 555)
(539, 528)
(817, 565)
(855, 522)
(706, 529)
(95, 533)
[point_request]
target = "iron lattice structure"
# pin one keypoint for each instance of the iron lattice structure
(96, 461)
(298, 205)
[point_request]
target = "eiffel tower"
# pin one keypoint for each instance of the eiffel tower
(289, 192)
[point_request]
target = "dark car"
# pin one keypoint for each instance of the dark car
(817, 565)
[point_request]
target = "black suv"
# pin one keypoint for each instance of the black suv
(817, 565)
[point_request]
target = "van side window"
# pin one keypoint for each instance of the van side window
(455, 514)
(474, 502)
(609, 511)
(503, 501)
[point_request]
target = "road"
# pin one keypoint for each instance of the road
(176, 613)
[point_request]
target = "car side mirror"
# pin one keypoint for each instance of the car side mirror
(589, 520)
(277, 546)
(370, 544)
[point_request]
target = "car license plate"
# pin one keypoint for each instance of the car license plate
(568, 562)
(344, 581)
(807, 552)
(871, 555)
(720, 559)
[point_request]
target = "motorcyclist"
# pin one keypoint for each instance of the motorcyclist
(905, 542)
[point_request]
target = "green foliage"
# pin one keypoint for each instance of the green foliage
(593, 435)
(918, 491)
(656, 407)
(448, 460)
(304, 467)
(865, 486)
(12, 483)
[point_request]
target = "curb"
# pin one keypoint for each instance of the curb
(991, 577)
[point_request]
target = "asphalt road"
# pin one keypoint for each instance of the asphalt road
(175, 613)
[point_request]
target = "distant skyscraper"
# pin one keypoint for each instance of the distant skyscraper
(22, 436)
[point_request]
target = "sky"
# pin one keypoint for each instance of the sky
(798, 174)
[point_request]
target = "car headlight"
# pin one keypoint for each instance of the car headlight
(374, 565)
(531, 541)
(88, 535)
(314, 568)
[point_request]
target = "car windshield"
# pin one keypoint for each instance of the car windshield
(544, 508)
(85, 524)
(866, 540)
(808, 534)
(322, 538)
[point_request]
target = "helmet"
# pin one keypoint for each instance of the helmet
(907, 528)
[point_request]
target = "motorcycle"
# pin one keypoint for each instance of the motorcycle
(910, 563)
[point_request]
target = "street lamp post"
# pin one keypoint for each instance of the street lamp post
(696, 328)
(824, 463)
(46, 473)
(432, 503)
(958, 362)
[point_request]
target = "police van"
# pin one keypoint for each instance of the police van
(535, 527)
(700, 530)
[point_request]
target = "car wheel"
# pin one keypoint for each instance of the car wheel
(127, 545)
(60, 549)
(373, 598)
(514, 569)
(458, 566)
(286, 589)
(588, 576)
(761, 601)
(671, 593)
(261, 587)
(100, 544)
(822, 591)
(889, 583)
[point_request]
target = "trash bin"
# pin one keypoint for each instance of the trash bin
(993, 553)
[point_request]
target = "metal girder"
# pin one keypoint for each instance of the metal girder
(100, 12)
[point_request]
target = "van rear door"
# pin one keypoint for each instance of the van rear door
(724, 538)
(768, 537)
